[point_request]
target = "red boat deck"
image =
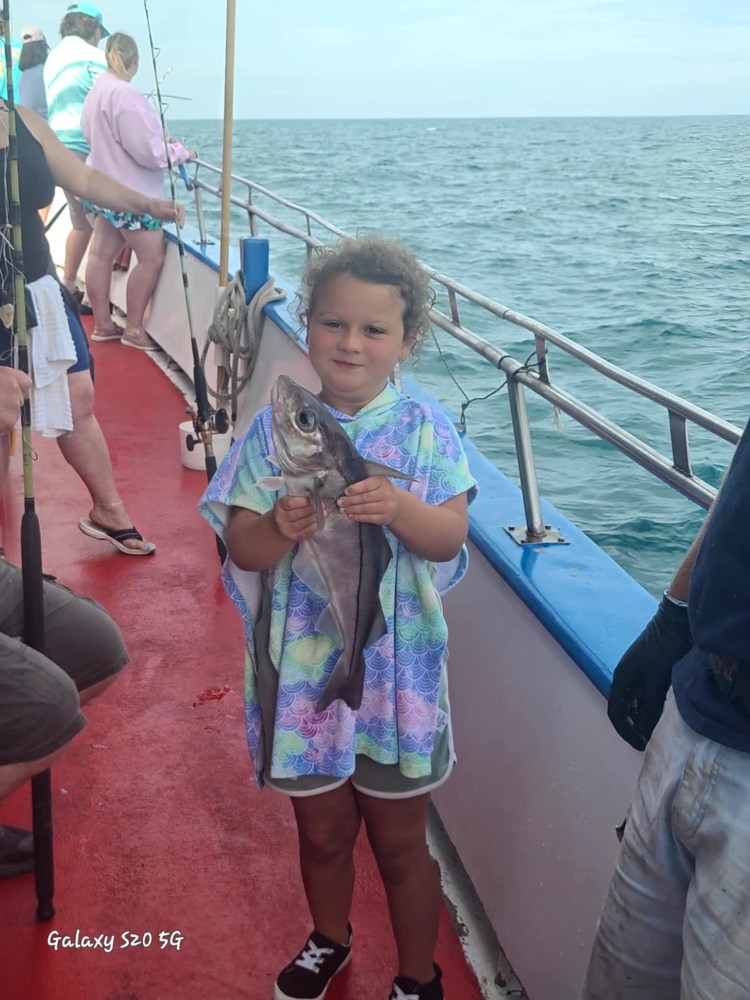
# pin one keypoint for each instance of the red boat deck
(159, 830)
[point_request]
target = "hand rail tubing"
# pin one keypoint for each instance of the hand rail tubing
(675, 472)
(253, 186)
(649, 390)
(644, 455)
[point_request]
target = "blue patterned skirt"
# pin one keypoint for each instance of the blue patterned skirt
(123, 220)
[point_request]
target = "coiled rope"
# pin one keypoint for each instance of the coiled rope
(236, 328)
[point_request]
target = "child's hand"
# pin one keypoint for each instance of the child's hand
(375, 500)
(295, 517)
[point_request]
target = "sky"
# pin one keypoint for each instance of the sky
(437, 58)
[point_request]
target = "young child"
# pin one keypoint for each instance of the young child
(366, 305)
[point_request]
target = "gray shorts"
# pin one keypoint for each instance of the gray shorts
(381, 781)
(39, 706)
(78, 218)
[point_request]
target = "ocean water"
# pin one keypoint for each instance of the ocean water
(629, 235)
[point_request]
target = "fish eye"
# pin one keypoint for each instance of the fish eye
(306, 419)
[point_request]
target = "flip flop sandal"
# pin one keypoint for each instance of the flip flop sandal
(114, 334)
(94, 530)
(152, 346)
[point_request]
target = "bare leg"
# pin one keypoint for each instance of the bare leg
(328, 825)
(5, 442)
(85, 448)
(148, 246)
(13, 775)
(105, 246)
(396, 829)
(123, 259)
(75, 248)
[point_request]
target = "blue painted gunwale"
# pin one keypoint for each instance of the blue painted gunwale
(584, 599)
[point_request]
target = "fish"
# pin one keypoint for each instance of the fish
(345, 559)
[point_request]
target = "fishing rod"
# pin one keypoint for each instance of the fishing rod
(206, 420)
(31, 538)
(48, 225)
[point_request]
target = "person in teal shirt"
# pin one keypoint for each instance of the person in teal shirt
(70, 71)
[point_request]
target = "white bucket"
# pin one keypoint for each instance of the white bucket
(196, 459)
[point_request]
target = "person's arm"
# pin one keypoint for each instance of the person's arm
(258, 541)
(180, 154)
(680, 585)
(138, 130)
(14, 385)
(73, 175)
(643, 675)
(431, 531)
(97, 65)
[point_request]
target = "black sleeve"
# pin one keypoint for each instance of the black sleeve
(719, 601)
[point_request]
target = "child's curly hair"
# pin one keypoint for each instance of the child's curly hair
(377, 260)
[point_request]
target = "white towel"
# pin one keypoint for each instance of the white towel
(51, 352)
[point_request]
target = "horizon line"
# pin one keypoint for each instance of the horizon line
(448, 118)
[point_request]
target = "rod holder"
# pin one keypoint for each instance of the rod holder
(254, 256)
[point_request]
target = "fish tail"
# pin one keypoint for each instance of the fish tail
(348, 685)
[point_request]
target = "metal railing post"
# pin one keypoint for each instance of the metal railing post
(525, 456)
(679, 438)
(251, 213)
(535, 530)
(203, 233)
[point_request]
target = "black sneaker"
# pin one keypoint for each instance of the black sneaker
(308, 976)
(409, 989)
(16, 851)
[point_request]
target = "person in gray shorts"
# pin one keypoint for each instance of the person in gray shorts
(41, 695)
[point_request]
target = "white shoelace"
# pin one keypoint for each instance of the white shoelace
(313, 957)
(398, 994)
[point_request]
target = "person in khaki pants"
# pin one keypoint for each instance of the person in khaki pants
(676, 922)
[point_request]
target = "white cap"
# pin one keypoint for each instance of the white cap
(33, 34)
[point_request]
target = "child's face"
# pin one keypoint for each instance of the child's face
(356, 337)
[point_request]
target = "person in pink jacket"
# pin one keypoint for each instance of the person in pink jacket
(126, 139)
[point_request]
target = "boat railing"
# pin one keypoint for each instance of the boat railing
(246, 202)
(674, 469)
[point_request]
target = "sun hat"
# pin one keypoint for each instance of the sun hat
(91, 11)
(32, 34)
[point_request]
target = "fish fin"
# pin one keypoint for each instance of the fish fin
(349, 687)
(326, 624)
(377, 629)
(270, 483)
(340, 685)
(305, 568)
(377, 469)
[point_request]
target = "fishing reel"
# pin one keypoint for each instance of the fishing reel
(217, 423)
